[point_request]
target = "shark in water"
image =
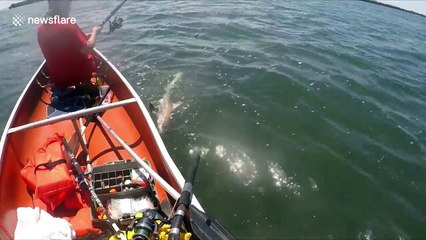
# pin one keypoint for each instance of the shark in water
(164, 111)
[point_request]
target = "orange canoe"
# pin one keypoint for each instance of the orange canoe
(28, 128)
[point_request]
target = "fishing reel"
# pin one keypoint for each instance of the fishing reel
(117, 23)
(145, 225)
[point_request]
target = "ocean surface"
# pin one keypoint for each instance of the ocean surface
(311, 114)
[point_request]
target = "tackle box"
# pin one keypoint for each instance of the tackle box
(117, 181)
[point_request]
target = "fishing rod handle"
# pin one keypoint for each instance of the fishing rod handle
(183, 202)
(186, 195)
(176, 222)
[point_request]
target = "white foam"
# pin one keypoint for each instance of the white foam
(196, 149)
(220, 151)
(367, 235)
(239, 163)
(281, 180)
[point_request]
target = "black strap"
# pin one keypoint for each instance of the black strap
(49, 165)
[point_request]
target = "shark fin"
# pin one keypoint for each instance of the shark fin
(152, 108)
(176, 105)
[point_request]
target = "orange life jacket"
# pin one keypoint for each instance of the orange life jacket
(82, 223)
(47, 174)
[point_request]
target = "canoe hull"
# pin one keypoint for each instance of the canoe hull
(132, 122)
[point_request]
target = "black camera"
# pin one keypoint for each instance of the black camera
(145, 225)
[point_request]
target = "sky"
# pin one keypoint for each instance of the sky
(418, 6)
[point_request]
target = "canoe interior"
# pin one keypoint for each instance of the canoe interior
(127, 121)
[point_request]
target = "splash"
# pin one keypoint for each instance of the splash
(239, 163)
(281, 180)
(202, 150)
(220, 151)
(314, 185)
(367, 235)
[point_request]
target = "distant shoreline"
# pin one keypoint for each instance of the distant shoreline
(23, 3)
(27, 2)
(391, 6)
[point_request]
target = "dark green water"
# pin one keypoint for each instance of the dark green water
(311, 114)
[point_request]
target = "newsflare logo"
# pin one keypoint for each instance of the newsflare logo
(18, 20)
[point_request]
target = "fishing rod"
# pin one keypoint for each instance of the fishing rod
(84, 184)
(202, 225)
(183, 202)
(112, 13)
(84, 126)
(117, 22)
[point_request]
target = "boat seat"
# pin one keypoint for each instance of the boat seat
(70, 100)
(63, 107)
